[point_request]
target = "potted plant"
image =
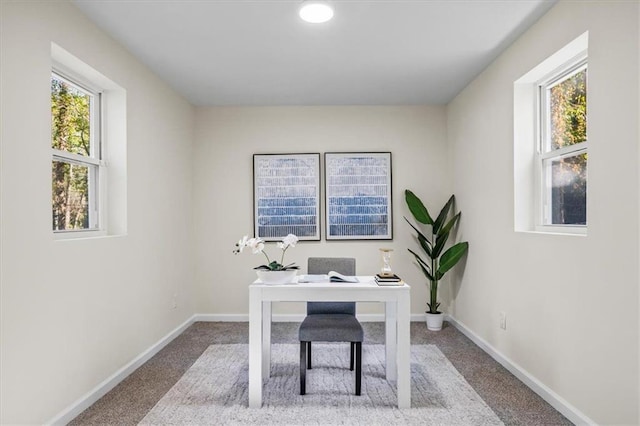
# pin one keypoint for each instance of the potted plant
(273, 272)
(439, 261)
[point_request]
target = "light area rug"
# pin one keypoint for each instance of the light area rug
(215, 391)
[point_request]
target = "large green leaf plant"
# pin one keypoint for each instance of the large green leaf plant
(439, 261)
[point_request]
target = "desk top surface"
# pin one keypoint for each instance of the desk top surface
(364, 281)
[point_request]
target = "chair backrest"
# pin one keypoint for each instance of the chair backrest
(323, 265)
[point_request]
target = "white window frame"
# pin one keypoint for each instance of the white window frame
(527, 176)
(94, 162)
(544, 155)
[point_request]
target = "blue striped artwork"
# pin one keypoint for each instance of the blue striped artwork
(358, 195)
(286, 196)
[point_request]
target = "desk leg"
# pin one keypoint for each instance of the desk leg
(266, 340)
(255, 347)
(390, 340)
(404, 351)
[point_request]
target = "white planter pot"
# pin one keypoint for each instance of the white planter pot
(277, 277)
(434, 321)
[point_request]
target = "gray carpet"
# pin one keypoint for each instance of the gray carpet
(214, 391)
(131, 400)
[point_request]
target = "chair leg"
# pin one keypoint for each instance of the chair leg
(303, 369)
(351, 354)
(309, 355)
(358, 367)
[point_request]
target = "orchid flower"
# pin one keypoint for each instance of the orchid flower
(257, 245)
(289, 240)
(241, 244)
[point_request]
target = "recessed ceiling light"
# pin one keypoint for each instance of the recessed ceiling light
(316, 11)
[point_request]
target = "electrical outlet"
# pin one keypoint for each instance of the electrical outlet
(503, 320)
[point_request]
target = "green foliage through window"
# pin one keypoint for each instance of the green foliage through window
(567, 172)
(70, 134)
(568, 111)
(70, 196)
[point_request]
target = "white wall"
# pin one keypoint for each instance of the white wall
(74, 312)
(227, 138)
(571, 302)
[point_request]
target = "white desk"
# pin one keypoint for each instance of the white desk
(397, 317)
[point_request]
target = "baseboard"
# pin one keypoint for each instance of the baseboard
(221, 317)
(290, 317)
(555, 400)
(99, 391)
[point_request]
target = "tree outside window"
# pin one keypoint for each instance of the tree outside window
(564, 149)
(75, 156)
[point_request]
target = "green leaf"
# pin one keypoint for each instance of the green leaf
(425, 272)
(433, 308)
(290, 266)
(263, 267)
(420, 234)
(443, 215)
(450, 224)
(451, 257)
(418, 210)
(419, 259)
(441, 240)
(426, 245)
(275, 266)
(425, 268)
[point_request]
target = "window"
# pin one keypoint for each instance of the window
(550, 143)
(562, 151)
(76, 149)
(89, 150)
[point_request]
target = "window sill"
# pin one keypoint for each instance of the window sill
(552, 230)
(79, 235)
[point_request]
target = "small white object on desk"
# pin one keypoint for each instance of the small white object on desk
(313, 278)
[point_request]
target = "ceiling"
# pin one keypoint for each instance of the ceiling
(259, 52)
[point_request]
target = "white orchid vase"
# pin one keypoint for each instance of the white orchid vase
(257, 245)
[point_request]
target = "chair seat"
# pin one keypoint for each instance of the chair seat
(331, 328)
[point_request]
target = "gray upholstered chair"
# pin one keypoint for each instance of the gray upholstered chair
(331, 321)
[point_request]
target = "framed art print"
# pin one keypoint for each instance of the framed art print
(286, 196)
(358, 196)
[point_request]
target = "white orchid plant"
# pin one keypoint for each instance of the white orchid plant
(257, 246)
